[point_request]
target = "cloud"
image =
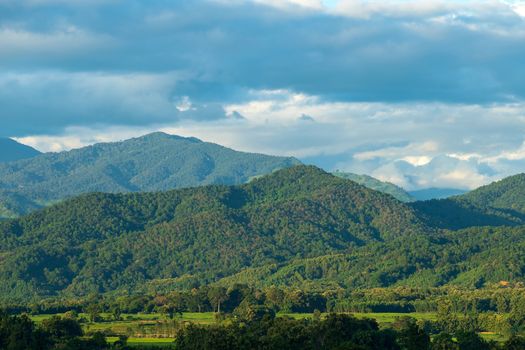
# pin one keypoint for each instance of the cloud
(306, 118)
(467, 52)
(48, 102)
(404, 90)
(414, 146)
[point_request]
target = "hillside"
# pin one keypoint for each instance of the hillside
(10, 150)
(499, 203)
(377, 185)
(154, 162)
(471, 258)
(183, 238)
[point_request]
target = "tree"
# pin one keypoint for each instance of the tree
(471, 341)
(217, 295)
(59, 328)
(250, 311)
(515, 343)
(20, 333)
(410, 336)
(116, 312)
(93, 310)
(444, 341)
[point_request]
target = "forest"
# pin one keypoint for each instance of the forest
(257, 256)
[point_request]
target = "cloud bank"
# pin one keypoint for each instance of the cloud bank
(418, 93)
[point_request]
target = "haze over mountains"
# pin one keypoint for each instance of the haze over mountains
(296, 227)
(375, 184)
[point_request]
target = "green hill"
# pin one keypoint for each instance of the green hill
(154, 162)
(297, 227)
(375, 184)
(183, 238)
(496, 204)
(10, 150)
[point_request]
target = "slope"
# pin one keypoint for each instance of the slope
(499, 203)
(183, 238)
(154, 162)
(377, 185)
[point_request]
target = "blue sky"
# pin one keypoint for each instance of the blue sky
(420, 93)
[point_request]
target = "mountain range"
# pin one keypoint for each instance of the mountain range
(155, 162)
(298, 226)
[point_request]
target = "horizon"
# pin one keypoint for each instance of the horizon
(410, 191)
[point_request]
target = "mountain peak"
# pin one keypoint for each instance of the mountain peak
(159, 135)
(154, 162)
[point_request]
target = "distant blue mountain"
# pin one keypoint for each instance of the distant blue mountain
(10, 150)
(436, 193)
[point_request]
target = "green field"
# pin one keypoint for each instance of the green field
(153, 329)
(157, 342)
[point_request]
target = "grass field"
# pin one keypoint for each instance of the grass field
(156, 342)
(153, 329)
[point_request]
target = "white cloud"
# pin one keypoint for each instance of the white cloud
(413, 145)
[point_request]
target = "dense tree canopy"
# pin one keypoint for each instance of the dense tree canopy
(154, 162)
(298, 227)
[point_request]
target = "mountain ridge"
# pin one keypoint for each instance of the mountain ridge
(109, 242)
(378, 185)
(153, 162)
(296, 227)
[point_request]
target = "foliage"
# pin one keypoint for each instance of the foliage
(181, 239)
(154, 162)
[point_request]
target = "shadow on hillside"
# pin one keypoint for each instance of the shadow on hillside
(454, 215)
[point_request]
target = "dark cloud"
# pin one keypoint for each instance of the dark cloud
(125, 62)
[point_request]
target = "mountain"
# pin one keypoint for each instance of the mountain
(435, 193)
(298, 227)
(10, 150)
(375, 184)
(500, 203)
(507, 194)
(183, 238)
(154, 162)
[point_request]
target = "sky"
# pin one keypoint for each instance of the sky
(419, 93)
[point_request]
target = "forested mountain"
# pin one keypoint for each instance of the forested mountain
(375, 184)
(296, 227)
(496, 204)
(10, 150)
(105, 242)
(154, 162)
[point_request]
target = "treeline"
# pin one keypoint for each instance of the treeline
(497, 309)
(337, 332)
(21, 333)
(259, 330)
(219, 298)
